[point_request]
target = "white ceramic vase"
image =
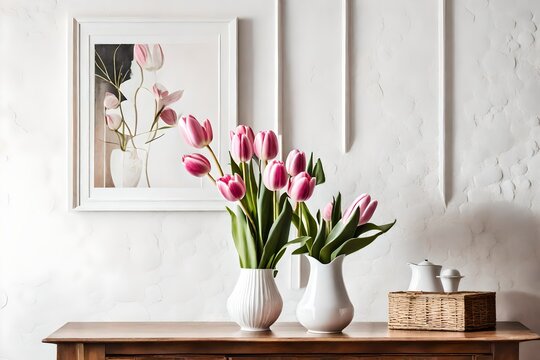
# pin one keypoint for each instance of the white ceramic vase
(325, 306)
(255, 303)
(126, 167)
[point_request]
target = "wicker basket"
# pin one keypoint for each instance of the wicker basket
(458, 311)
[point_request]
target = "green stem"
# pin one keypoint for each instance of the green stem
(146, 167)
(248, 216)
(215, 159)
(211, 178)
(276, 205)
(299, 220)
(135, 99)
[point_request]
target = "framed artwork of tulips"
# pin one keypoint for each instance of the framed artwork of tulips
(132, 82)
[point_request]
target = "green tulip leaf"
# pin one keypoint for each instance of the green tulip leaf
(243, 239)
(352, 245)
(364, 228)
(309, 167)
(264, 214)
(277, 237)
(343, 231)
(301, 250)
(318, 172)
(299, 240)
(309, 220)
(336, 210)
(319, 241)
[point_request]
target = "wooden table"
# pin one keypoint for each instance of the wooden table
(200, 340)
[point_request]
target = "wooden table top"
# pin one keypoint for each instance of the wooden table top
(111, 332)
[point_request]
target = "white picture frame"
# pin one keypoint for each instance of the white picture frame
(85, 34)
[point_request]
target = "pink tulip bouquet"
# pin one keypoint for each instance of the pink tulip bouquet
(261, 186)
(333, 233)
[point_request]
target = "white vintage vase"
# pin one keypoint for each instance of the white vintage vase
(325, 306)
(255, 303)
(126, 167)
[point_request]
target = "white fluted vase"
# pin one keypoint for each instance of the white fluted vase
(325, 306)
(255, 303)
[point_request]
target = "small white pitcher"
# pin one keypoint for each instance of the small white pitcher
(325, 306)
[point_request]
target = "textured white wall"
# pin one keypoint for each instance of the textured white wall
(59, 266)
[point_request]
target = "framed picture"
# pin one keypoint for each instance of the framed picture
(132, 81)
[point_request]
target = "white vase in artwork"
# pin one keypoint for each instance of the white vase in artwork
(255, 303)
(325, 306)
(126, 167)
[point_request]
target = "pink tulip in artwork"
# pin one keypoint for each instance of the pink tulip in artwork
(148, 60)
(266, 145)
(301, 187)
(163, 97)
(241, 148)
(296, 162)
(110, 101)
(113, 121)
(168, 116)
(232, 187)
(194, 133)
(275, 175)
(196, 164)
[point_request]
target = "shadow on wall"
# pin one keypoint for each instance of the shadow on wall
(505, 246)
(525, 308)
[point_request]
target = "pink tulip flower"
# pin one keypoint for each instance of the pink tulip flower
(163, 98)
(241, 148)
(266, 145)
(368, 213)
(194, 133)
(113, 121)
(275, 175)
(196, 164)
(110, 101)
(296, 162)
(148, 60)
(168, 116)
(366, 206)
(327, 211)
(301, 187)
(232, 187)
(243, 129)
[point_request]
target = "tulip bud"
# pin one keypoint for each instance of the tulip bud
(296, 162)
(151, 61)
(141, 53)
(243, 129)
(168, 116)
(241, 148)
(113, 121)
(368, 212)
(266, 145)
(301, 187)
(275, 175)
(232, 187)
(110, 101)
(196, 164)
(366, 208)
(194, 133)
(327, 211)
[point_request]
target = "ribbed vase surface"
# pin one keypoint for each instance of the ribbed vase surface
(255, 303)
